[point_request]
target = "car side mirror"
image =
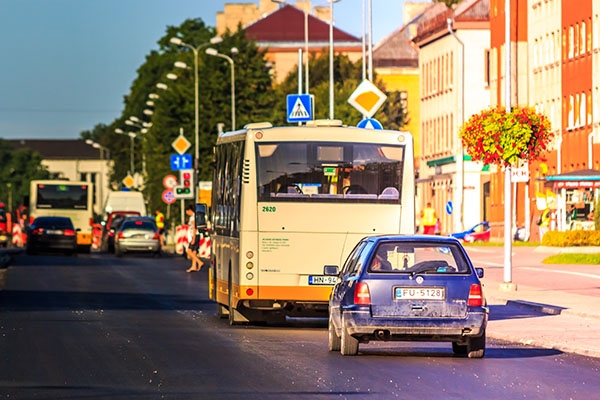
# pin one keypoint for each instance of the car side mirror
(331, 270)
(479, 272)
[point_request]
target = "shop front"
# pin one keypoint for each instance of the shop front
(576, 193)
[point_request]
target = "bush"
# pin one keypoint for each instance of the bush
(571, 238)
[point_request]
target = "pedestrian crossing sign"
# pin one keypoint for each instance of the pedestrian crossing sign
(299, 108)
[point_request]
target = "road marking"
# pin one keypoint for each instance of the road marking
(563, 272)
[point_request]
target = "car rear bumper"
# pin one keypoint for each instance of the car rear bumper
(362, 324)
(146, 246)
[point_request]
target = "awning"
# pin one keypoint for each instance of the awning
(583, 178)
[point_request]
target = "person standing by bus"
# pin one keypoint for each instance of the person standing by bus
(193, 240)
(428, 219)
(160, 224)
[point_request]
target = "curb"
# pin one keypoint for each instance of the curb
(538, 307)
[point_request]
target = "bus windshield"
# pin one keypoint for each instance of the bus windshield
(62, 196)
(329, 170)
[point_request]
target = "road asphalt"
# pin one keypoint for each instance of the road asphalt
(548, 318)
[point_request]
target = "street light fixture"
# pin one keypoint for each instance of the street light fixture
(213, 52)
(104, 151)
(178, 42)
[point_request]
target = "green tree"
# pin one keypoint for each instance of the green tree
(174, 110)
(17, 169)
(346, 77)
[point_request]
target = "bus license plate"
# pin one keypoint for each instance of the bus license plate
(420, 293)
(321, 280)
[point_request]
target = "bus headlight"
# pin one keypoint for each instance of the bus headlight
(249, 276)
(249, 265)
(249, 254)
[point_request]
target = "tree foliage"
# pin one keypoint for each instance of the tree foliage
(257, 98)
(346, 77)
(17, 169)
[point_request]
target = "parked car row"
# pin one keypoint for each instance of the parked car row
(125, 232)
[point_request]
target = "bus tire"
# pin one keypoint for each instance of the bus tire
(230, 302)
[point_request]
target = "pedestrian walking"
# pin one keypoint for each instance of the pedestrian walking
(193, 240)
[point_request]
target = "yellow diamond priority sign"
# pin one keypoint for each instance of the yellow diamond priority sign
(181, 144)
(128, 181)
(367, 98)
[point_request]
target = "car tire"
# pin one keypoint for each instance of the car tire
(476, 347)
(335, 342)
(348, 344)
(459, 349)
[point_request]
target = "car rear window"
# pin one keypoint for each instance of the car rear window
(145, 225)
(432, 258)
(55, 222)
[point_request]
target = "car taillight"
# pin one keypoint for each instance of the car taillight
(475, 296)
(37, 231)
(156, 236)
(120, 235)
(361, 294)
(69, 232)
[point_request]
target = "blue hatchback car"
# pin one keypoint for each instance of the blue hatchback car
(408, 288)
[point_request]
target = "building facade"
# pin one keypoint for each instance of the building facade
(454, 84)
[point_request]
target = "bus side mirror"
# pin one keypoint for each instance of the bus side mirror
(201, 210)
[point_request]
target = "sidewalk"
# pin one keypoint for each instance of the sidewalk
(545, 318)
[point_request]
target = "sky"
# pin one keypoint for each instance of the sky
(66, 65)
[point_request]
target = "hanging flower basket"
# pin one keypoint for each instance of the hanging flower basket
(497, 137)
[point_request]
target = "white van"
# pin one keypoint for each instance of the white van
(125, 201)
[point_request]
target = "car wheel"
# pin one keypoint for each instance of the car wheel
(460, 349)
(476, 347)
(334, 340)
(348, 344)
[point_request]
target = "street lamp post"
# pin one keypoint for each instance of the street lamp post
(132, 137)
(177, 41)
(331, 97)
(234, 50)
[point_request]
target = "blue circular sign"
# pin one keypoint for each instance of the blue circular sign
(370, 123)
(449, 207)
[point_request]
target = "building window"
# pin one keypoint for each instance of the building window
(486, 66)
(571, 42)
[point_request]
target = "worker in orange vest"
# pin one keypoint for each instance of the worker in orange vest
(428, 219)
(160, 224)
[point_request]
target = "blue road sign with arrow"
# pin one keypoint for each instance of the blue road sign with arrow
(181, 161)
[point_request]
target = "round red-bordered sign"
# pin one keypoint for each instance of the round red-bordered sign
(168, 196)
(170, 181)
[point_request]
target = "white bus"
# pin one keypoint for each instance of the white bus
(73, 199)
(286, 201)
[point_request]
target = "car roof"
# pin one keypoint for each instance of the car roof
(413, 238)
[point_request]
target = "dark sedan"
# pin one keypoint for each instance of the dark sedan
(51, 234)
(137, 235)
(408, 288)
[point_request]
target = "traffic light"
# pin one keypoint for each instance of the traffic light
(185, 189)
